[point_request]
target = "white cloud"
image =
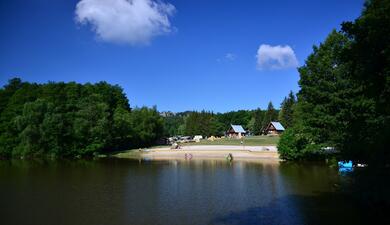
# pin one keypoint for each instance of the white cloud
(275, 57)
(230, 56)
(132, 22)
(227, 57)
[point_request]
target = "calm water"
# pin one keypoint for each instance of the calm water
(118, 191)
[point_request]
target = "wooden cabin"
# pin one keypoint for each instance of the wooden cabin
(274, 128)
(235, 131)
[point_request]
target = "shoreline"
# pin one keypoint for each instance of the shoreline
(204, 152)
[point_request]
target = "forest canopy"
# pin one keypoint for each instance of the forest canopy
(71, 120)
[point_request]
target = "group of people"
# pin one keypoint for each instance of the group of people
(176, 146)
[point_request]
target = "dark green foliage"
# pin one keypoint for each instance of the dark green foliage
(147, 126)
(344, 101)
(290, 145)
(317, 115)
(368, 58)
(240, 117)
(286, 113)
(202, 123)
(70, 119)
(207, 123)
(174, 123)
(258, 117)
(324, 90)
(297, 145)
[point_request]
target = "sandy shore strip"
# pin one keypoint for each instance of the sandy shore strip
(204, 152)
(225, 148)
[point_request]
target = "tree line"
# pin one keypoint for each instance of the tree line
(71, 120)
(344, 98)
(208, 123)
(79, 120)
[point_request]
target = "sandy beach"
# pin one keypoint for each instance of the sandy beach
(205, 152)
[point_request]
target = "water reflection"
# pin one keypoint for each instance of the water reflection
(120, 191)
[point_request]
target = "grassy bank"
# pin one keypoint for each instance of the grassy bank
(248, 141)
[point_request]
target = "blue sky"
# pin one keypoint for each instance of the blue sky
(194, 55)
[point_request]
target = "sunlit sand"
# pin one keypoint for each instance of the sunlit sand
(205, 152)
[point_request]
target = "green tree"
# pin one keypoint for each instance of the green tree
(202, 123)
(319, 113)
(30, 131)
(172, 123)
(287, 110)
(147, 125)
(123, 128)
(258, 117)
(324, 90)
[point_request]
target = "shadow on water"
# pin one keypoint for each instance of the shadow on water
(361, 197)
(298, 210)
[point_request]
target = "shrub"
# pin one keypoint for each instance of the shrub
(297, 145)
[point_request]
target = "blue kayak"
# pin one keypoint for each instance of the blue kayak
(345, 166)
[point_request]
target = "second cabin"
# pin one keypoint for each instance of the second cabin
(274, 128)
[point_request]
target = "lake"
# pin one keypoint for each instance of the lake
(124, 191)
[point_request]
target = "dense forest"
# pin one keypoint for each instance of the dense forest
(344, 100)
(71, 120)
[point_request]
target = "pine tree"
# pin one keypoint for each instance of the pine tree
(287, 110)
(258, 121)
